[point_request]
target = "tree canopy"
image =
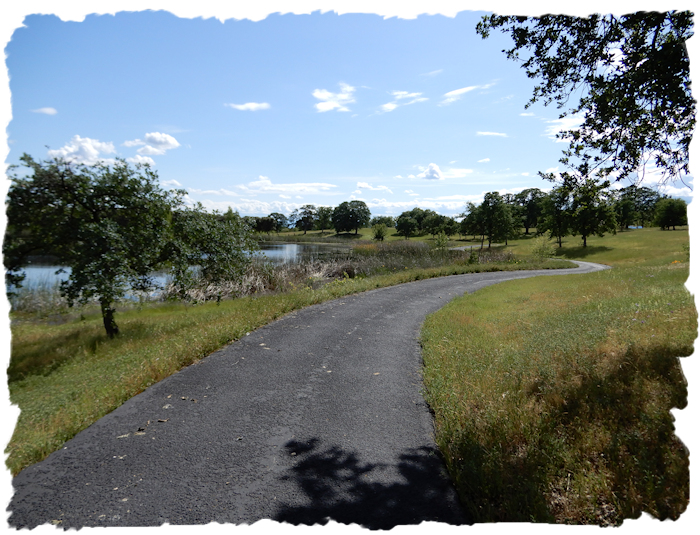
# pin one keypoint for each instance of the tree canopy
(113, 226)
(350, 215)
(632, 74)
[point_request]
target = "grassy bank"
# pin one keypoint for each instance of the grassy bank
(552, 396)
(65, 376)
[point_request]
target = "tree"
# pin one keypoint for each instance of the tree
(406, 226)
(591, 213)
(632, 74)
(385, 220)
(378, 232)
(304, 218)
(350, 215)
(556, 214)
(280, 221)
(265, 224)
(625, 213)
(530, 203)
(498, 220)
(671, 212)
(207, 249)
(111, 225)
(324, 218)
(473, 222)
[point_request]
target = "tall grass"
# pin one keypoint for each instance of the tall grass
(552, 396)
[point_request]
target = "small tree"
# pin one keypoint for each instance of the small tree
(324, 218)
(406, 226)
(591, 213)
(378, 232)
(556, 214)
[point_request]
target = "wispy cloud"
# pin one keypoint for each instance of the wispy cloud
(432, 73)
(265, 185)
(45, 111)
(453, 96)
(334, 101)
(249, 106)
(484, 160)
(556, 126)
(84, 150)
(498, 134)
(398, 97)
(527, 114)
(365, 185)
(153, 143)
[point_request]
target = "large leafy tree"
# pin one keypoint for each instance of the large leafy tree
(628, 79)
(350, 215)
(113, 226)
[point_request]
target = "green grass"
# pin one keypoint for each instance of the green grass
(552, 395)
(65, 377)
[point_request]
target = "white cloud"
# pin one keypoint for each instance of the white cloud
(331, 101)
(432, 73)
(453, 96)
(525, 174)
(173, 183)
(154, 143)
(250, 106)
(84, 150)
(411, 192)
(401, 95)
(527, 114)
(499, 134)
(365, 185)
(265, 185)
(431, 173)
(138, 159)
(484, 160)
(556, 126)
(45, 111)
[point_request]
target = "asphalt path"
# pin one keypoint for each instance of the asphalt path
(317, 415)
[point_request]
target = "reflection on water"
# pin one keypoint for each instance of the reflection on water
(290, 253)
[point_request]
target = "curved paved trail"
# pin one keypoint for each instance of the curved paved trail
(318, 414)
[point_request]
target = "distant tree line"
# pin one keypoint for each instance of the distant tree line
(587, 210)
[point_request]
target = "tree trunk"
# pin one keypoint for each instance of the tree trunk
(108, 319)
(584, 240)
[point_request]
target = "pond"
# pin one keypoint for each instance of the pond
(43, 275)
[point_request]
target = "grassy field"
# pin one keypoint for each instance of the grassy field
(65, 376)
(552, 395)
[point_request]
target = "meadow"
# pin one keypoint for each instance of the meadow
(552, 395)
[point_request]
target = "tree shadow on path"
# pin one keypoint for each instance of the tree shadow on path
(340, 487)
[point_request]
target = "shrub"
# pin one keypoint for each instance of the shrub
(542, 248)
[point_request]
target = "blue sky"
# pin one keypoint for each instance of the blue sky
(265, 116)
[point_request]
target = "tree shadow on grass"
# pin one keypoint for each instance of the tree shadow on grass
(340, 487)
(581, 252)
(603, 450)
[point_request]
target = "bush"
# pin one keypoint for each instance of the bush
(379, 232)
(542, 248)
